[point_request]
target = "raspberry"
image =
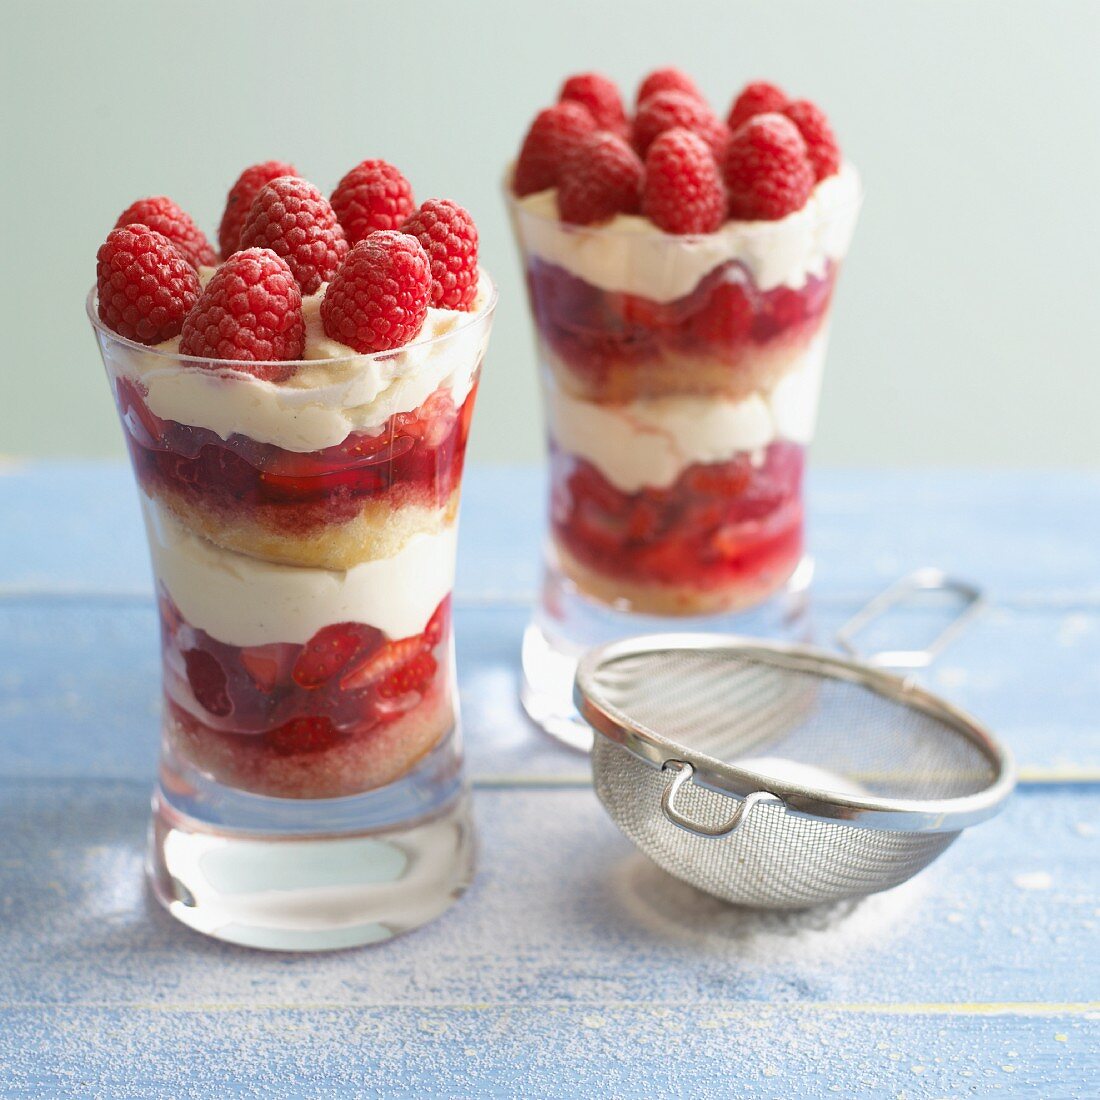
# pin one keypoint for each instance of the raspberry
(821, 143)
(768, 174)
(239, 200)
(667, 80)
(601, 98)
(292, 218)
(603, 177)
(553, 136)
(449, 237)
(144, 285)
(757, 98)
(250, 310)
(373, 195)
(379, 298)
(665, 110)
(683, 187)
(163, 215)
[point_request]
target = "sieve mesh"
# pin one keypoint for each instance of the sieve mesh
(793, 717)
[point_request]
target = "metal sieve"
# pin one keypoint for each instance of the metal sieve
(783, 776)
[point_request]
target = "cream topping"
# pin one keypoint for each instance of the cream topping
(630, 255)
(334, 394)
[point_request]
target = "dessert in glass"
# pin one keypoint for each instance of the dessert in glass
(680, 271)
(297, 417)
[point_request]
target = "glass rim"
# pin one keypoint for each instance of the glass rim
(246, 365)
(516, 207)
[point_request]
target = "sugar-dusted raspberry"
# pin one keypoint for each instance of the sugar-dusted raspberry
(292, 218)
(144, 286)
(666, 110)
(379, 298)
(683, 186)
(449, 237)
(251, 310)
(600, 96)
(163, 215)
(373, 195)
(768, 174)
(602, 177)
(667, 80)
(757, 98)
(821, 144)
(240, 198)
(553, 136)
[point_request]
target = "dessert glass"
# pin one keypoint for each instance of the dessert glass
(311, 792)
(680, 377)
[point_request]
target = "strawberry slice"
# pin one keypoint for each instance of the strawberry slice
(436, 629)
(308, 733)
(269, 665)
(413, 676)
(331, 650)
(207, 679)
(382, 663)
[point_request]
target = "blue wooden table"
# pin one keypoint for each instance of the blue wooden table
(572, 967)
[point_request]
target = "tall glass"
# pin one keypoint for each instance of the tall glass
(311, 791)
(680, 379)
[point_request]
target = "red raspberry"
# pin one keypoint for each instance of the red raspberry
(601, 98)
(449, 237)
(821, 143)
(666, 110)
(603, 177)
(768, 174)
(683, 187)
(144, 285)
(757, 98)
(379, 298)
(553, 136)
(163, 215)
(250, 310)
(240, 198)
(667, 80)
(292, 218)
(373, 195)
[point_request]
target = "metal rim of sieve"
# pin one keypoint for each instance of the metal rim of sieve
(944, 815)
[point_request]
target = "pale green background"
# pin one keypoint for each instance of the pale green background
(968, 320)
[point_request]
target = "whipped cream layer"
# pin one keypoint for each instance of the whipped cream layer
(244, 601)
(630, 255)
(650, 442)
(334, 394)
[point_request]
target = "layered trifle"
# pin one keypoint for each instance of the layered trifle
(297, 407)
(680, 270)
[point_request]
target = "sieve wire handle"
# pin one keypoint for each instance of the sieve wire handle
(684, 772)
(921, 580)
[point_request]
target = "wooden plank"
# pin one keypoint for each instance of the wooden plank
(79, 688)
(1025, 535)
(572, 965)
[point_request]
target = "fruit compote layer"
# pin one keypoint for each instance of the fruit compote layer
(726, 337)
(346, 712)
(331, 508)
(722, 537)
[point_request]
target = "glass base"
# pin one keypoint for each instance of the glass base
(310, 874)
(566, 624)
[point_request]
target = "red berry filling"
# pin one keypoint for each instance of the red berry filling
(725, 319)
(252, 706)
(417, 456)
(718, 525)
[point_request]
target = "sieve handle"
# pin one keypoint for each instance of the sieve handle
(921, 580)
(684, 772)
